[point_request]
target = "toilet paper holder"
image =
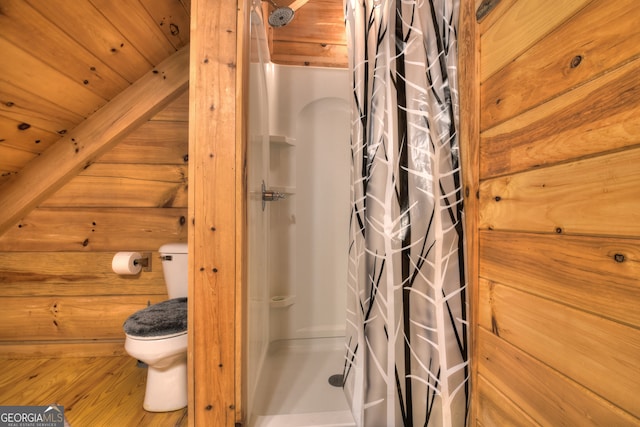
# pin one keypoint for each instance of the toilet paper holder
(144, 261)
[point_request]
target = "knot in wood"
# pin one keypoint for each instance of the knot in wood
(575, 61)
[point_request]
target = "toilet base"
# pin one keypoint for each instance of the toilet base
(166, 388)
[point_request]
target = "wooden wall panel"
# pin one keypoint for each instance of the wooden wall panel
(75, 79)
(595, 274)
(599, 195)
(545, 395)
(519, 28)
(557, 332)
(176, 111)
(79, 147)
(601, 115)
(313, 54)
(491, 15)
(316, 36)
(124, 185)
(584, 47)
(524, 23)
(327, 16)
(61, 296)
(597, 353)
(496, 410)
(155, 142)
(52, 318)
(37, 274)
(102, 229)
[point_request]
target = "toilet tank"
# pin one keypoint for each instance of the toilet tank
(175, 268)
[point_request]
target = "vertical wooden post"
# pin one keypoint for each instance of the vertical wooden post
(242, 123)
(216, 199)
(469, 89)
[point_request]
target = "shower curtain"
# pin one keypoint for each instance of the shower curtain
(407, 351)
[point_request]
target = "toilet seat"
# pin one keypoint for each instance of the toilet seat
(155, 352)
(155, 338)
(164, 320)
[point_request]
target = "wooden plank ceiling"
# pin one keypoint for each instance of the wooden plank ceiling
(64, 60)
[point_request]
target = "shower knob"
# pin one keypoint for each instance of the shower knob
(270, 195)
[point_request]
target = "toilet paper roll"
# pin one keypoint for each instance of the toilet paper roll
(124, 263)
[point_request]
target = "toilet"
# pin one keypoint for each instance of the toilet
(157, 336)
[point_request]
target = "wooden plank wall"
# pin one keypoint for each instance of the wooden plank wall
(315, 37)
(60, 296)
(558, 332)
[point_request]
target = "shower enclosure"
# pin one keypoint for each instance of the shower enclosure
(298, 178)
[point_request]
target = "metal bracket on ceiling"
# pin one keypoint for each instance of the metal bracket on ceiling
(485, 8)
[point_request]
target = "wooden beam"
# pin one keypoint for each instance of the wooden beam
(215, 188)
(242, 226)
(469, 90)
(101, 131)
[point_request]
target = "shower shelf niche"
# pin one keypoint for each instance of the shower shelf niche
(282, 164)
(282, 301)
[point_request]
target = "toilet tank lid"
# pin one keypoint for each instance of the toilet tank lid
(173, 248)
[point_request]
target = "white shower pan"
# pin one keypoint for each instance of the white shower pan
(294, 389)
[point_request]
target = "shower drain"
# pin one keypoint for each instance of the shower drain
(336, 380)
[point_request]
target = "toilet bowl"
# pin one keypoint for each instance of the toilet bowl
(157, 336)
(166, 358)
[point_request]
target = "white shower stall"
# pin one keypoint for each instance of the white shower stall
(309, 228)
(299, 160)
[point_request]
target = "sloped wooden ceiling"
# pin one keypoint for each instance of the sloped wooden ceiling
(63, 60)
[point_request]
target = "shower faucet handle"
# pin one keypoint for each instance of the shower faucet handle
(272, 196)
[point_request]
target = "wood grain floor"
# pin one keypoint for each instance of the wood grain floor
(95, 391)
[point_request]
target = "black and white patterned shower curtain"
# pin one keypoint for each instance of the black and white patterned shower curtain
(407, 351)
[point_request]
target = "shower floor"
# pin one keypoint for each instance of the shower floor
(294, 387)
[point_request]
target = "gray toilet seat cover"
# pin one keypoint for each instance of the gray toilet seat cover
(165, 318)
